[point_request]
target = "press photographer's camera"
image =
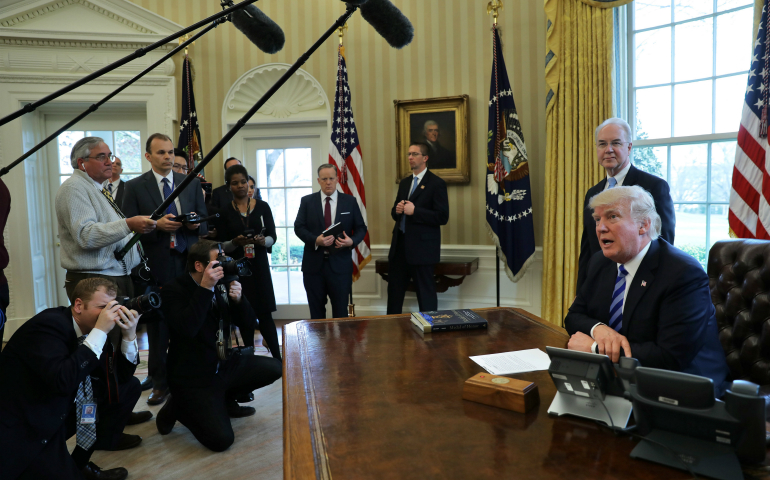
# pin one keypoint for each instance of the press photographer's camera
(232, 268)
(142, 304)
(194, 218)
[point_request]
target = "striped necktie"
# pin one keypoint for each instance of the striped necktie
(616, 307)
(85, 432)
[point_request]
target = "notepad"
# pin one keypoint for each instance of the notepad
(508, 363)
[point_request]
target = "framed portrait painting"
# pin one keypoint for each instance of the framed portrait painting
(441, 124)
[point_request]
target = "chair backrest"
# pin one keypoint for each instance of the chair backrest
(739, 280)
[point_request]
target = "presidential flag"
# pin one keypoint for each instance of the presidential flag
(749, 215)
(189, 129)
(345, 154)
(509, 196)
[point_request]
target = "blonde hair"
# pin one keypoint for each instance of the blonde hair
(639, 201)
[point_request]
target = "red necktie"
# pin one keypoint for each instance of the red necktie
(328, 213)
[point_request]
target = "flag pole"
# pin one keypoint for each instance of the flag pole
(351, 305)
(492, 8)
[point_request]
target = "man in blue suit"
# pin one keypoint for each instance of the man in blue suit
(327, 265)
(643, 297)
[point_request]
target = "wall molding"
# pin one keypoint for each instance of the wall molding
(52, 79)
(52, 7)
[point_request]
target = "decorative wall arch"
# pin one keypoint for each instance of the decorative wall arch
(301, 98)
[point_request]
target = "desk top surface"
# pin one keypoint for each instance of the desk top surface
(373, 398)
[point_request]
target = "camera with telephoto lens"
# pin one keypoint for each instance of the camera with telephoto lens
(232, 268)
(142, 304)
(194, 218)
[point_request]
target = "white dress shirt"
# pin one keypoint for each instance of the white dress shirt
(96, 340)
(159, 179)
(419, 176)
(333, 204)
(114, 184)
(619, 177)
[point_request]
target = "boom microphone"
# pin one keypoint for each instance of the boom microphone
(389, 22)
(263, 32)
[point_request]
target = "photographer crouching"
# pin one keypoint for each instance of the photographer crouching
(204, 374)
(60, 375)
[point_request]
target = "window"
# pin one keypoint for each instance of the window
(284, 176)
(124, 144)
(688, 74)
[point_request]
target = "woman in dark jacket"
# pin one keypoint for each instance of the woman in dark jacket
(248, 229)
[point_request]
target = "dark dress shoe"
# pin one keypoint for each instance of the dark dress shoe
(126, 442)
(249, 397)
(92, 472)
(146, 383)
(157, 396)
(237, 411)
(139, 417)
(166, 418)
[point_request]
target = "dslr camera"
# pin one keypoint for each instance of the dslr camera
(142, 304)
(232, 268)
(194, 218)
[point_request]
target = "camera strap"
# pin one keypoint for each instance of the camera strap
(223, 312)
(142, 267)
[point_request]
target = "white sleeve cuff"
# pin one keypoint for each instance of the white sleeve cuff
(269, 241)
(592, 328)
(595, 348)
(95, 341)
(129, 349)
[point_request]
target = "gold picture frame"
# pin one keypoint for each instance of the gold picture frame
(443, 120)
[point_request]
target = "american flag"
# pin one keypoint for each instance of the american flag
(345, 154)
(749, 209)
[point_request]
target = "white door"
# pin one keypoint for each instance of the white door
(124, 132)
(285, 170)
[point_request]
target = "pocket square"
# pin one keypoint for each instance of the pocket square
(345, 213)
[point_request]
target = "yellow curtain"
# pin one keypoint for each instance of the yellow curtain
(578, 98)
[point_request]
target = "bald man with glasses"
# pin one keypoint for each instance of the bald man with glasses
(613, 151)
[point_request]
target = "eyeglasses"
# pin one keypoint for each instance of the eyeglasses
(615, 144)
(103, 156)
(183, 168)
(414, 154)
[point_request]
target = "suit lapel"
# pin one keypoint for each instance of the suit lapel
(645, 274)
(631, 177)
(604, 290)
(420, 186)
(319, 208)
(152, 188)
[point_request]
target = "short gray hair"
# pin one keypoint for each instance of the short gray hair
(614, 121)
(639, 201)
(82, 149)
(428, 124)
(327, 165)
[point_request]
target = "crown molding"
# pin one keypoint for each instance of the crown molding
(66, 80)
(29, 42)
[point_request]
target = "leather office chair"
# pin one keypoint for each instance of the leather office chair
(739, 280)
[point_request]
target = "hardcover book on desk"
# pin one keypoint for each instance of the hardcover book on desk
(448, 320)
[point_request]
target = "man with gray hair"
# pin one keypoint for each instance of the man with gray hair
(642, 297)
(440, 156)
(91, 226)
(613, 150)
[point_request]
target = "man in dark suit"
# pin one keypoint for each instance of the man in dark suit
(114, 184)
(327, 265)
(613, 149)
(205, 382)
(166, 247)
(48, 364)
(440, 157)
(421, 207)
(643, 297)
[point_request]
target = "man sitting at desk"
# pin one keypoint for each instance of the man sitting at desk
(642, 296)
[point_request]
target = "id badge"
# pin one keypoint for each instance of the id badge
(249, 251)
(88, 415)
(173, 240)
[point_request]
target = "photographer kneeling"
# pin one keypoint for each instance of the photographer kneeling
(60, 375)
(204, 374)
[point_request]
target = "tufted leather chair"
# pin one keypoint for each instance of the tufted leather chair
(739, 280)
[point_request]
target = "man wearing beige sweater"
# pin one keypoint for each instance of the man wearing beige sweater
(91, 226)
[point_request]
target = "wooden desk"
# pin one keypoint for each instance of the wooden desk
(371, 398)
(457, 267)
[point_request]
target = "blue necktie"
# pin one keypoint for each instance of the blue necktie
(612, 182)
(110, 187)
(181, 243)
(85, 432)
(616, 307)
(402, 227)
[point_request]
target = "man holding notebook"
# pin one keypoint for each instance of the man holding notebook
(327, 265)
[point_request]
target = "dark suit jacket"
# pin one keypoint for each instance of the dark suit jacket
(221, 197)
(441, 157)
(310, 223)
(143, 197)
(192, 352)
(670, 322)
(658, 188)
(41, 368)
(118, 194)
(423, 228)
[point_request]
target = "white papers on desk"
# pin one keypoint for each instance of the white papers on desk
(514, 362)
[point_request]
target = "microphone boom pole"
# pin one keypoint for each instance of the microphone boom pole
(350, 10)
(104, 100)
(138, 53)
